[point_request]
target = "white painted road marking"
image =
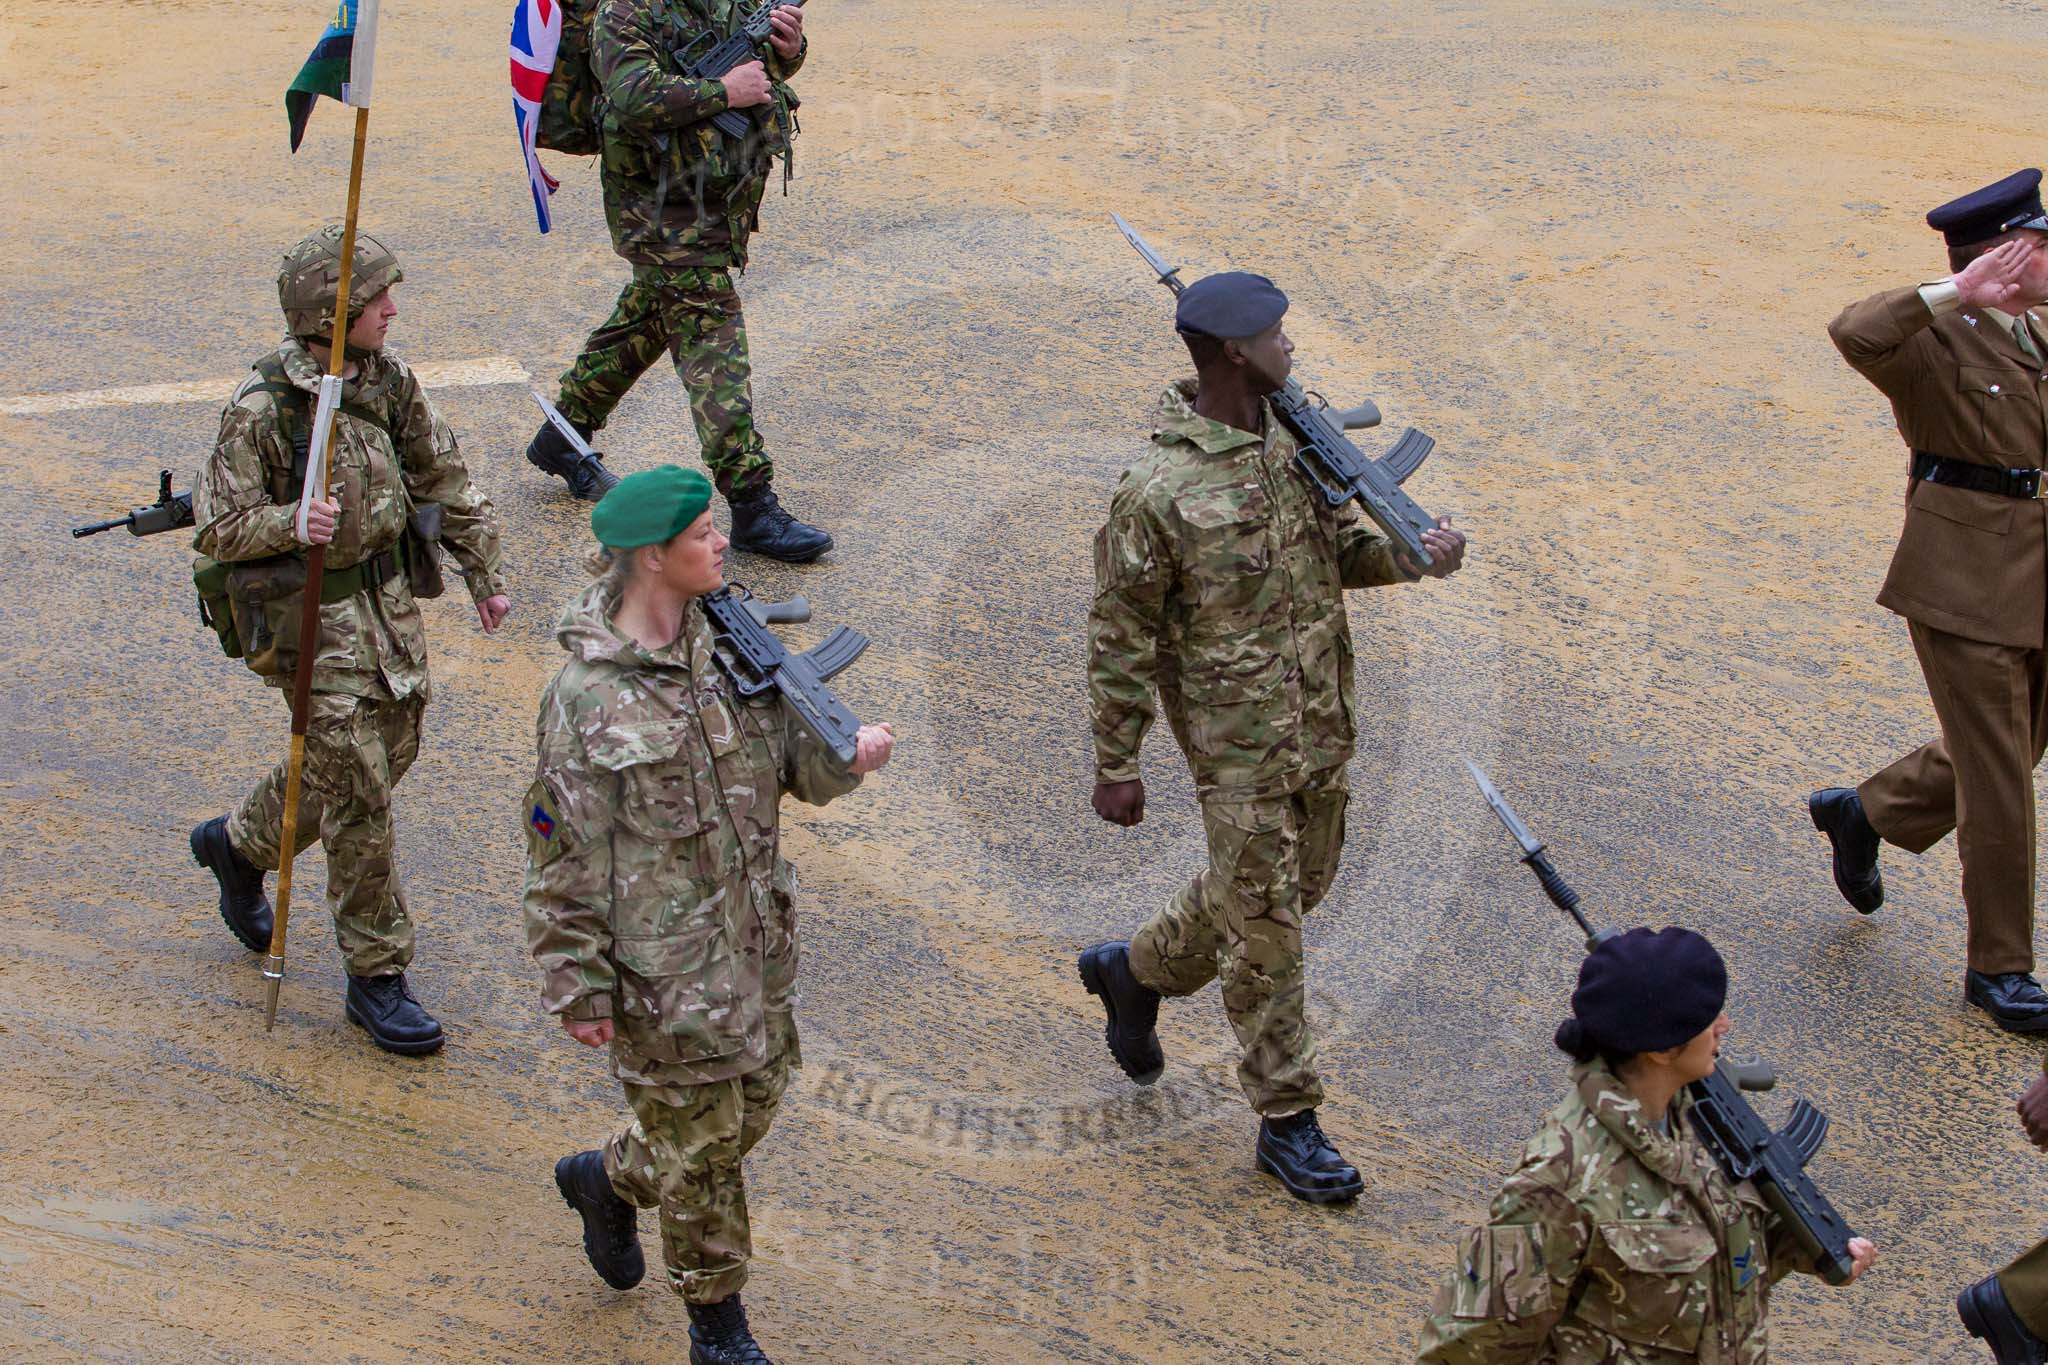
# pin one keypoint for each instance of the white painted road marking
(454, 374)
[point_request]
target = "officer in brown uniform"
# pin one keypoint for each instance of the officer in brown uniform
(1965, 364)
(2009, 1310)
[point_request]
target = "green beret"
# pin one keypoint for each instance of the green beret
(650, 507)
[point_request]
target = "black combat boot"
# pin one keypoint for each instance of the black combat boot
(242, 902)
(587, 476)
(611, 1226)
(1986, 1314)
(762, 525)
(1133, 1010)
(1294, 1151)
(384, 1005)
(2014, 1000)
(719, 1335)
(1838, 813)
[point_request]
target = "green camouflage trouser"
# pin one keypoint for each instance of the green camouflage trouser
(682, 1153)
(1270, 862)
(693, 314)
(356, 750)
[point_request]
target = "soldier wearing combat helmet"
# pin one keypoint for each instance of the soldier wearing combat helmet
(658, 903)
(1219, 581)
(400, 495)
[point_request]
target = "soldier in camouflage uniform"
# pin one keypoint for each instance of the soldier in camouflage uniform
(393, 455)
(657, 901)
(1618, 1237)
(1219, 581)
(682, 199)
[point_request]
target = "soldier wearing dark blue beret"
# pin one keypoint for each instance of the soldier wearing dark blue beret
(1964, 361)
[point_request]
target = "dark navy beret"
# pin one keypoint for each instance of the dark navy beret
(1228, 306)
(1649, 989)
(2014, 202)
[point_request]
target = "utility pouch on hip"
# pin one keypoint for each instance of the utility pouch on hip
(423, 550)
(263, 597)
(216, 611)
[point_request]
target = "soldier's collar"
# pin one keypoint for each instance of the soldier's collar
(1179, 421)
(1620, 1113)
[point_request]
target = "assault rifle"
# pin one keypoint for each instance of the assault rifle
(739, 49)
(586, 458)
(167, 513)
(1339, 470)
(755, 660)
(1744, 1145)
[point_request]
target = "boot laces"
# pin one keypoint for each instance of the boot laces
(1311, 1127)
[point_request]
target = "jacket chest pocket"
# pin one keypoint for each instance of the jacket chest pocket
(1226, 556)
(2007, 408)
(1653, 1285)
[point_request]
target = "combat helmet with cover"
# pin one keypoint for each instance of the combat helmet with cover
(311, 273)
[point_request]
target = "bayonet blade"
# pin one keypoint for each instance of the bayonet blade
(1168, 274)
(563, 425)
(1531, 845)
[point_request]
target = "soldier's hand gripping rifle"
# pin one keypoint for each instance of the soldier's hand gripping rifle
(739, 49)
(756, 661)
(586, 458)
(1741, 1141)
(1338, 469)
(167, 513)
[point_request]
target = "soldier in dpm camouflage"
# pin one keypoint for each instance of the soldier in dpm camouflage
(1618, 1237)
(401, 495)
(658, 903)
(1219, 580)
(682, 199)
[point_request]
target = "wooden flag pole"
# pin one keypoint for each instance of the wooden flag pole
(309, 609)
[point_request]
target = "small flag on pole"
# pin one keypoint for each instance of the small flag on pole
(340, 68)
(536, 38)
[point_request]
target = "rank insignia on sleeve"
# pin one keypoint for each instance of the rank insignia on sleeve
(543, 823)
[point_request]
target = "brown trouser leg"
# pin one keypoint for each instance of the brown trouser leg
(1978, 780)
(2025, 1283)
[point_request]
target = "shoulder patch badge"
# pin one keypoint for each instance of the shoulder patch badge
(542, 823)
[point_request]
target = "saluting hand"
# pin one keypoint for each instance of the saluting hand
(2033, 1107)
(746, 85)
(872, 747)
(786, 31)
(1446, 551)
(1996, 279)
(589, 1032)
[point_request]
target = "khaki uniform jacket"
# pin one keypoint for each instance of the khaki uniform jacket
(1968, 563)
(373, 644)
(1219, 581)
(1613, 1241)
(656, 892)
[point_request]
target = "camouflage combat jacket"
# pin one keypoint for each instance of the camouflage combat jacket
(372, 644)
(656, 893)
(1219, 580)
(1613, 1241)
(677, 192)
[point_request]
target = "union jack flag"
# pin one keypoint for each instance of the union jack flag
(536, 36)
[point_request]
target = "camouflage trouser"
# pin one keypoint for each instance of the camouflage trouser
(1270, 862)
(682, 1154)
(356, 750)
(693, 314)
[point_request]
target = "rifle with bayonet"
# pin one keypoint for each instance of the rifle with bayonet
(1740, 1140)
(740, 48)
(1339, 470)
(756, 662)
(167, 513)
(586, 457)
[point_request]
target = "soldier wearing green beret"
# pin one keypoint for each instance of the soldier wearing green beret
(658, 904)
(395, 461)
(1618, 1237)
(1219, 583)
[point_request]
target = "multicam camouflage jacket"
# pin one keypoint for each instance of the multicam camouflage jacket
(1219, 579)
(656, 893)
(677, 192)
(372, 644)
(1613, 1241)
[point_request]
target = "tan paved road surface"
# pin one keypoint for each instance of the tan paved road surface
(1590, 247)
